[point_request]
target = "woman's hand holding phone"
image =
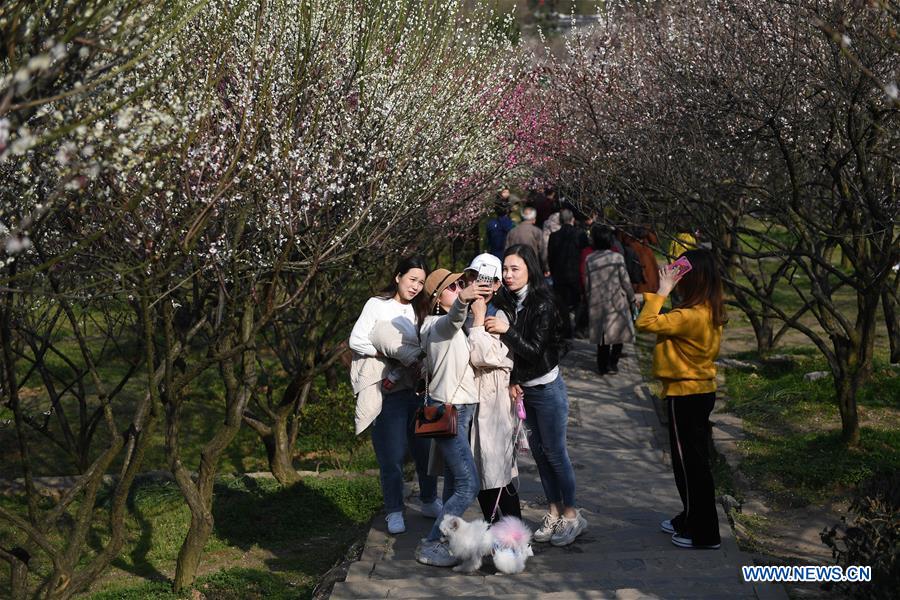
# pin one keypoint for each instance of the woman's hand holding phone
(668, 279)
(470, 292)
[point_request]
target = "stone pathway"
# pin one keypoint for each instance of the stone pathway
(625, 487)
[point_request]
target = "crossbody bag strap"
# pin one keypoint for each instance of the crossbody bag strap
(427, 374)
(427, 377)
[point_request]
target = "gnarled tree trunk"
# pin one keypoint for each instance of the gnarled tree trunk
(240, 378)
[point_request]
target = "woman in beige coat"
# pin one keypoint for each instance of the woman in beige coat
(610, 297)
(496, 425)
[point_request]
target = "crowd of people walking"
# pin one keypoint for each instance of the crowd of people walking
(486, 343)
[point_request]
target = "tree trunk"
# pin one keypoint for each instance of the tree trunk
(239, 380)
(280, 437)
(279, 446)
(18, 580)
(280, 452)
(192, 548)
(331, 377)
(853, 356)
(846, 386)
(18, 572)
(764, 331)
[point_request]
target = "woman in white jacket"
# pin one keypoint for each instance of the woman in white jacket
(495, 428)
(392, 427)
(451, 381)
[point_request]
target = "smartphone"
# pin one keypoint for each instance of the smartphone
(681, 266)
(486, 274)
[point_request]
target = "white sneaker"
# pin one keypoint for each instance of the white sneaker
(395, 522)
(436, 554)
(433, 509)
(568, 530)
(686, 542)
(667, 527)
(547, 528)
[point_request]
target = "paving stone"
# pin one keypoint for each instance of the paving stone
(626, 564)
(545, 584)
(619, 450)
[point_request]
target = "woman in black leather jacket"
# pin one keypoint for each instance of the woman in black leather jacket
(533, 336)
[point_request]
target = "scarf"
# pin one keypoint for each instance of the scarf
(520, 297)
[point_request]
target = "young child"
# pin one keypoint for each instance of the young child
(687, 343)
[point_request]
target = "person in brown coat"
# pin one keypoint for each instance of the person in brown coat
(642, 243)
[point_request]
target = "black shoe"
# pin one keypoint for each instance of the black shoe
(602, 371)
(614, 369)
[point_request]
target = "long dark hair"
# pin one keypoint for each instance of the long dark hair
(703, 285)
(538, 290)
(406, 264)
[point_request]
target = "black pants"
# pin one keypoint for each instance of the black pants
(689, 440)
(508, 507)
(608, 356)
(568, 295)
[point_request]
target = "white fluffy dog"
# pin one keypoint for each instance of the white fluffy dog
(512, 545)
(509, 540)
(469, 542)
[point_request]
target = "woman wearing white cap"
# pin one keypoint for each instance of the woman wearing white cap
(496, 425)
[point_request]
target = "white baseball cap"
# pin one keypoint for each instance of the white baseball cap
(486, 259)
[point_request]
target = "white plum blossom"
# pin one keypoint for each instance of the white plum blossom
(16, 244)
(891, 90)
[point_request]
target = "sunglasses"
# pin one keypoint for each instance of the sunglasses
(457, 285)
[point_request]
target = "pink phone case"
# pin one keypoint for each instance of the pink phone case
(683, 265)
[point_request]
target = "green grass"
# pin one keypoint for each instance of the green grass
(794, 450)
(805, 468)
(200, 417)
(229, 584)
(269, 541)
(723, 477)
(751, 528)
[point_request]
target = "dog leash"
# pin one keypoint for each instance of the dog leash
(500, 492)
(497, 503)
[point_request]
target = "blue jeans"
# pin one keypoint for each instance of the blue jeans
(392, 435)
(461, 481)
(546, 416)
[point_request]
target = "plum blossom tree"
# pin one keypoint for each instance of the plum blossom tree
(70, 71)
(193, 189)
(318, 130)
(749, 123)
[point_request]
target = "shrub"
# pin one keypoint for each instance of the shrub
(327, 423)
(873, 539)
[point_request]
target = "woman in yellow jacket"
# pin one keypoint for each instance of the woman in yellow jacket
(687, 343)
